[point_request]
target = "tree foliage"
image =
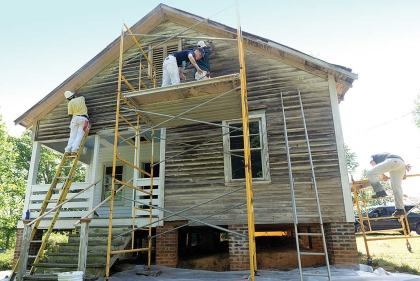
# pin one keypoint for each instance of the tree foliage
(12, 187)
(15, 159)
(352, 164)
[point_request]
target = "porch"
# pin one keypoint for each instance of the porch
(96, 160)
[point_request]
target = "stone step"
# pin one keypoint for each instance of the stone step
(93, 247)
(73, 257)
(92, 269)
(67, 257)
(44, 277)
(75, 238)
(104, 230)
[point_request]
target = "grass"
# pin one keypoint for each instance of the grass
(392, 254)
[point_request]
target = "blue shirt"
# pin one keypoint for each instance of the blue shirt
(183, 56)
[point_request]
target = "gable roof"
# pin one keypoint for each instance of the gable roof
(162, 12)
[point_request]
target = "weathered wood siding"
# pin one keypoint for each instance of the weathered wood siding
(194, 174)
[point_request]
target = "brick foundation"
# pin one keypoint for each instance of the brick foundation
(341, 243)
(314, 242)
(238, 248)
(18, 246)
(167, 246)
(340, 239)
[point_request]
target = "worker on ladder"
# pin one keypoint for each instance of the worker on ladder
(394, 164)
(77, 111)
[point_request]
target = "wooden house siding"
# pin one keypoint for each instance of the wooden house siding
(196, 175)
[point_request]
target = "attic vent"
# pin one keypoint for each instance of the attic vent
(158, 54)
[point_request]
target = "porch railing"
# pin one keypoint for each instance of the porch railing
(72, 209)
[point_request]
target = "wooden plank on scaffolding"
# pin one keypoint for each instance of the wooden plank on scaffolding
(175, 100)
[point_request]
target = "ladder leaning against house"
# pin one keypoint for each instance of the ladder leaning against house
(301, 196)
(60, 184)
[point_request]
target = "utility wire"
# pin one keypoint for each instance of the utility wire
(380, 125)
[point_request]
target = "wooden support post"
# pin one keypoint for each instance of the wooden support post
(84, 235)
(24, 250)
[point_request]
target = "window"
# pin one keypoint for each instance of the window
(107, 185)
(233, 147)
(147, 167)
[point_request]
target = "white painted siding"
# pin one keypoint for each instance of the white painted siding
(121, 209)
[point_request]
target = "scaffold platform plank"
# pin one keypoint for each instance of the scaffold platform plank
(210, 100)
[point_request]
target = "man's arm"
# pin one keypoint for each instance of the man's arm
(181, 73)
(193, 62)
(211, 46)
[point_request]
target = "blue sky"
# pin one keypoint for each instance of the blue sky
(44, 42)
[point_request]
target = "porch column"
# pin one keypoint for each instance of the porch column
(161, 189)
(94, 170)
(32, 174)
(95, 160)
(136, 176)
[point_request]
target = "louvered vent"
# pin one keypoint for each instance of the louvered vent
(158, 55)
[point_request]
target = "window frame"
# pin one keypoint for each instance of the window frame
(103, 193)
(254, 116)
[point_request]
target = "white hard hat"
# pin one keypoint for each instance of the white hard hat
(201, 44)
(68, 94)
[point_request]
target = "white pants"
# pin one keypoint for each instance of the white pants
(170, 72)
(396, 169)
(76, 133)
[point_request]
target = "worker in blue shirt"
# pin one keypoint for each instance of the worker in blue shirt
(174, 65)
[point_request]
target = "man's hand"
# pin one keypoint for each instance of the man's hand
(193, 62)
(181, 73)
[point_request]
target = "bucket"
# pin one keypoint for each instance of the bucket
(71, 276)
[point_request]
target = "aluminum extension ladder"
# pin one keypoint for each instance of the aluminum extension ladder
(64, 175)
(299, 191)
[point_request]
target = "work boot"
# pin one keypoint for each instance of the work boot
(379, 194)
(74, 154)
(66, 153)
(398, 213)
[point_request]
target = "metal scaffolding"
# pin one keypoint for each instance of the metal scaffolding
(130, 100)
(365, 220)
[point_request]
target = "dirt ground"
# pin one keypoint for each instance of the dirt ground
(266, 259)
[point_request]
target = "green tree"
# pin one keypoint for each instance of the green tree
(352, 164)
(15, 159)
(12, 188)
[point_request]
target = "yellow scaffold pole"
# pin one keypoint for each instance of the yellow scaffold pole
(247, 157)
